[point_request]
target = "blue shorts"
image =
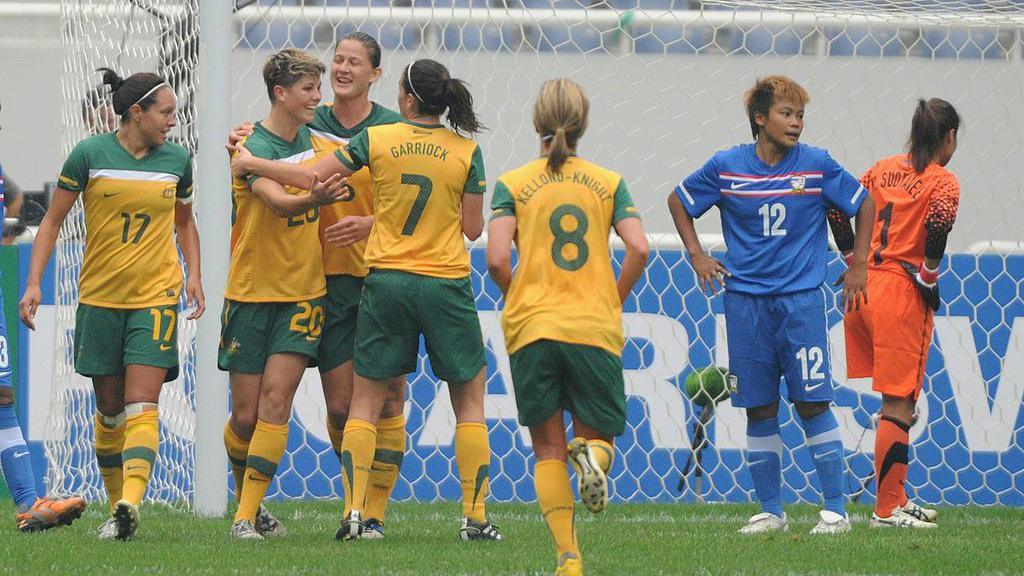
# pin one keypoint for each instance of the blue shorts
(5, 350)
(774, 336)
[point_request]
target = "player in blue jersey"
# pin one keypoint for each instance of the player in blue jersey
(32, 513)
(773, 195)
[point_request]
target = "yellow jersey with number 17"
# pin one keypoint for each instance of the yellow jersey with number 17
(131, 260)
(564, 287)
(420, 173)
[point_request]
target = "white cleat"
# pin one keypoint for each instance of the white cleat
(899, 519)
(919, 512)
(766, 522)
(107, 530)
(244, 530)
(591, 479)
(831, 523)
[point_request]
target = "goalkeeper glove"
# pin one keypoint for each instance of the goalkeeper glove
(927, 282)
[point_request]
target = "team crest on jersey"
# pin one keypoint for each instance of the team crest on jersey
(234, 346)
(169, 192)
(732, 383)
(798, 183)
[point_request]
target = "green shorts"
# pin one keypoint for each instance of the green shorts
(253, 331)
(550, 376)
(338, 340)
(108, 339)
(397, 307)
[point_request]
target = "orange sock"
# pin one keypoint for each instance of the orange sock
(891, 457)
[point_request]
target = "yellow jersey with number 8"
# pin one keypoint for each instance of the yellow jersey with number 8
(564, 287)
(420, 173)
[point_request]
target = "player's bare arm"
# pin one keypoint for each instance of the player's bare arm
(286, 205)
(188, 238)
(631, 230)
(472, 215)
(46, 238)
(500, 234)
(295, 175)
(855, 279)
(349, 230)
(711, 273)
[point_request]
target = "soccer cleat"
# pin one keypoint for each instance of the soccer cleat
(373, 529)
(831, 523)
(351, 527)
(107, 530)
(48, 513)
(471, 530)
(899, 519)
(590, 478)
(766, 522)
(919, 512)
(126, 519)
(244, 530)
(267, 525)
(569, 565)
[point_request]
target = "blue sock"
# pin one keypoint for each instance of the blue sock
(826, 446)
(15, 460)
(764, 461)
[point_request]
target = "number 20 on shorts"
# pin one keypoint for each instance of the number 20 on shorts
(309, 320)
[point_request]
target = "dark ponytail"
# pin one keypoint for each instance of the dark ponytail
(933, 119)
(139, 88)
(436, 91)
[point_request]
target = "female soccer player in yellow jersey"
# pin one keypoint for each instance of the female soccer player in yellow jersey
(136, 192)
(563, 308)
(273, 304)
(344, 226)
(428, 186)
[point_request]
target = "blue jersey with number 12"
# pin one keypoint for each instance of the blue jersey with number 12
(773, 217)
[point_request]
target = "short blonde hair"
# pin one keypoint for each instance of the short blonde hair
(288, 67)
(560, 117)
(766, 91)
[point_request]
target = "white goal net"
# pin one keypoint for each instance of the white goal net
(666, 79)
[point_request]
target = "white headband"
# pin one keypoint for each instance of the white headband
(408, 77)
(151, 90)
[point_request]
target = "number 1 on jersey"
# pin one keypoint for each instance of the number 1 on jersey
(426, 186)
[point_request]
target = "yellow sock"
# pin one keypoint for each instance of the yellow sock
(238, 450)
(473, 457)
(603, 452)
(265, 451)
(554, 494)
(387, 462)
(356, 460)
(109, 445)
(141, 440)
(336, 434)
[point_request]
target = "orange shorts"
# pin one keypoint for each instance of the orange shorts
(888, 340)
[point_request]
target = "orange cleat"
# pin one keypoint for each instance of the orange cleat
(48, 513)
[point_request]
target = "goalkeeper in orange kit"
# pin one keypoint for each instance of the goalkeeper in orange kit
(916, 200)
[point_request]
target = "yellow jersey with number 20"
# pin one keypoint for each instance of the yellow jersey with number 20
(419, 175)
(564, 288)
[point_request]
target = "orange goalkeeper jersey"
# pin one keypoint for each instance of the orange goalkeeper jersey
(907, 205)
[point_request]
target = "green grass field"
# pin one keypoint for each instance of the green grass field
(625, 539)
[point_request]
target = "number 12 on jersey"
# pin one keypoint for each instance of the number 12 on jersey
(772, 216)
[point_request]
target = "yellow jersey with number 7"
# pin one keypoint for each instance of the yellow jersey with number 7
(420, 173)
(564, 287)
